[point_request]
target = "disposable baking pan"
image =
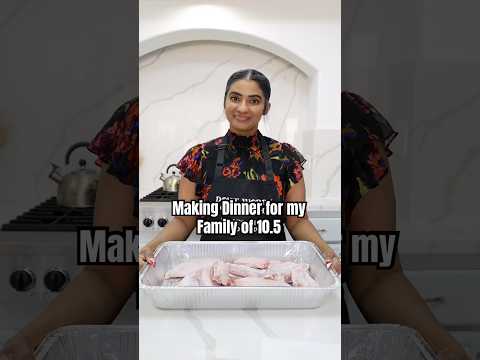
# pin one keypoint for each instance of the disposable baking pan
(379, 342)
(93, 342)
(172, 253)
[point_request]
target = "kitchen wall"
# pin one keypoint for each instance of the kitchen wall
(424, 79)
(59, 84)
(187, 52)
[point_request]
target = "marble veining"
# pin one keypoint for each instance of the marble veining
(209, 340)
(143, 63)
(17, 10)
(262, 325)
(240, 334)
(187, 89)
(430, 94)
(290, 103)
(330, 180)
(454, 182)
(70, 87)
(428, 127)
(181, 96)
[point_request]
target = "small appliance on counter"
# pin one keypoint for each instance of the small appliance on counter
(78, 188)
(172, 182)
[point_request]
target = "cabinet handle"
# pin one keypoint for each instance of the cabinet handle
(435, 300)
(322, 230)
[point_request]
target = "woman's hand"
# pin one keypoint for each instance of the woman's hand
(333, 262)
(145, 257)
(17, 348)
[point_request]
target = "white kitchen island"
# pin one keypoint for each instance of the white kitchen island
(272, 334)
(240, 334)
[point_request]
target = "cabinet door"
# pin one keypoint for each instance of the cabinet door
(452, 295)
(329, 228)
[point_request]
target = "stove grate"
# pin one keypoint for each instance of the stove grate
(160, 195)
(49, 216)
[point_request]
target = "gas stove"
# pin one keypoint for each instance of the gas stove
(49, 216)
(38, 259)
(155, 210)
(160, 195)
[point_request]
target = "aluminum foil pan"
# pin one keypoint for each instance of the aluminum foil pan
(379, 342)
(172, 253)
(93, 342)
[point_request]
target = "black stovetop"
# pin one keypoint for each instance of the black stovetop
(49, 216)
(160, 195)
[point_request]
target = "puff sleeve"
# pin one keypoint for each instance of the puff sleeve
(116, 144)
(294, 165)
(365, 134)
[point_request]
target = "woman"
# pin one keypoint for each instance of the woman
(243, 164)
(368, 204)
(98, 293)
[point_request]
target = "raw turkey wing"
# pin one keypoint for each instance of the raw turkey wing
(244, 271)
(220, 273)
(258, 263)
(301, 278)
(189, 267)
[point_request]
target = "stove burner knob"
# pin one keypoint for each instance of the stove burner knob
(147, 222)
(55, 280)
(22, 280)
(162, 222)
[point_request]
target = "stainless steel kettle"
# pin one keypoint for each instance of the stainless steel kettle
(172, 182)
(77, 188)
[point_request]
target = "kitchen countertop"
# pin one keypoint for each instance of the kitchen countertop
(240, 334)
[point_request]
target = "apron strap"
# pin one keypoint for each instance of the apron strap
(221, 157)
(266, 159)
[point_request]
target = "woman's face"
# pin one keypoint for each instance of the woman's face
(244, 107)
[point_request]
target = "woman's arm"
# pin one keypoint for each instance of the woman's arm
(303, 229)
(97, 294)
(176, 230)
(386, 296)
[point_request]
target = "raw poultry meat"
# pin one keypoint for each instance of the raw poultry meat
(258, 263)
(282, 270)
(220, 273)
(205, 276)
(215, 272)
(202, 277)
(301, 278)
(189, 280)
(189, 267)
(243, 271)
(258, 281)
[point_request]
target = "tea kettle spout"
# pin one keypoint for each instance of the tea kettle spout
(54, 175)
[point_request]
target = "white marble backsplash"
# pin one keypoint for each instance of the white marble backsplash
(181, 105)
(429, 91)
(58, 87)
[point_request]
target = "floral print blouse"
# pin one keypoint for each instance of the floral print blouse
(364, 130)
(243, 160)
(364, 165)
(116, 144)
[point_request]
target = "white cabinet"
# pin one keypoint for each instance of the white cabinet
(329, 228)
(453, 296)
